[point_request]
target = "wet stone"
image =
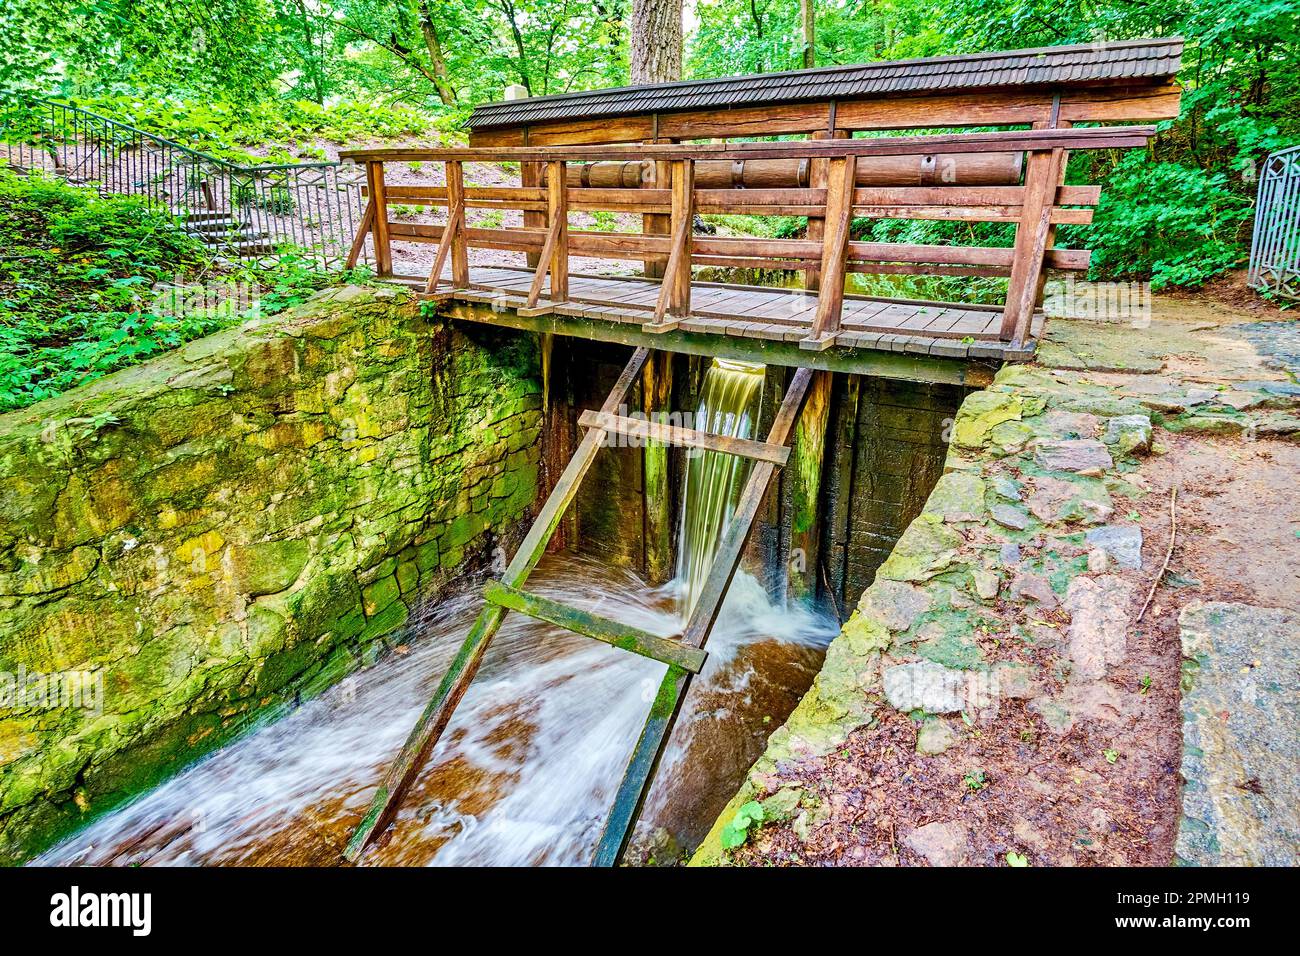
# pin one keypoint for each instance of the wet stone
(924, 685)
(1010, 517)
(1099, 623)
(1085, 456)
(1240, 712)
(1033, 587)
(1121, 543)
(1129, 433)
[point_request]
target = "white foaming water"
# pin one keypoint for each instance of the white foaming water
(524, 774)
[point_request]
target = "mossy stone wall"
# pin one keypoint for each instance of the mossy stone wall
(236, 525)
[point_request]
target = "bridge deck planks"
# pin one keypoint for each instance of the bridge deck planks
(939, 329)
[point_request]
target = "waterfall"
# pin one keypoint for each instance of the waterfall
(728, 406)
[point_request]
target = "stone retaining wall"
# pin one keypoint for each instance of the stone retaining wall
(188, 545)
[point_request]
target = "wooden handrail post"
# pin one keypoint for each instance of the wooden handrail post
(456, 223)
(383, 250)
(683, 219)
(557, 208)
(817, 172)
(1033, 232)
(840, 177)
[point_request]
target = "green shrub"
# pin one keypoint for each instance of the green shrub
(1177, 224)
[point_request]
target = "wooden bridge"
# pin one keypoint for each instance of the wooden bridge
(670, 152)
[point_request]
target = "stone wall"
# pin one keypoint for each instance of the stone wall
(213, 535)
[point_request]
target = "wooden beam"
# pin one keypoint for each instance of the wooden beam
(1032, 236)
(623, 636)
(656, 476)
(449, 234)
(804, 475)
(839, 211)
(433, 721)
(557, 209)
(359, 241)
(1097, 137)
(672, 689)
(383, 250)
(664, 434)
(456, 223)
(906, 366)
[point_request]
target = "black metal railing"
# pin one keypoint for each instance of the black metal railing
(243, 212)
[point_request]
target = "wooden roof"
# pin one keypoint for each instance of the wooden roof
(1131, 62)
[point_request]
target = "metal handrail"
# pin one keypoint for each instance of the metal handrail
(243, 211)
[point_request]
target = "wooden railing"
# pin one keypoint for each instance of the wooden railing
(844, 179)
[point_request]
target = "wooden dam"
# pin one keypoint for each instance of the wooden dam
(963, 139)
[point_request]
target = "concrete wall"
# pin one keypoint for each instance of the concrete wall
(216, 533)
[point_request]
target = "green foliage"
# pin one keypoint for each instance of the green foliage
(85, 280)
(1176, 224)
(1016, 859)
(735, 833)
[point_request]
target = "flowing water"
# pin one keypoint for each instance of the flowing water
(528, 766)
(713, 480)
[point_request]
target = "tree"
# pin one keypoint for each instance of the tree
(808, 12)
(656, 30)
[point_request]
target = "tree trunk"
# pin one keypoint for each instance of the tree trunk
(808, 9)
(441, 79)
(656, 41)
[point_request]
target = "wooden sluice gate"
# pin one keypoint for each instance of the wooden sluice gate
(637, 152)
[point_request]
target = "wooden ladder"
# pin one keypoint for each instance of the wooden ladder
(684, 654)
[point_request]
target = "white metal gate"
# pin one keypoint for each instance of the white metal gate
(1275, 245)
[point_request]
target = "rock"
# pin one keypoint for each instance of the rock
(1009, 438)
(957, 496)
(1009, 554)
(1085, 456)
(941, 844)
(1010, 517)
(1128, 433)
(1080, 499)
(1033, 587)
(1098, 560)
(1004, 486)
(987, 583)
(925, 549)
(1099, 623)
(924, 685)
(1122, 543)
(894, 604)
(934, 737)
(1240, 748)
(980, 413)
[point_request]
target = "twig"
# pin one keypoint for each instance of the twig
(1173, 533)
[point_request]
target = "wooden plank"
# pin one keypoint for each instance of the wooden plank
(1097, 137)
(656, 473)
(1032, 236)
(359, 241)
(662, 433)
(444, 249)
(1106, 103)
(623, 636)
(839, 210)
(557, 209)
(456, 223)
(433, 721)
(672, 689)
(383, 250)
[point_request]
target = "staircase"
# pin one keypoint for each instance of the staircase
(227, 235)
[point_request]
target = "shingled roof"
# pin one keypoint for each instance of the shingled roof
(1131, 60)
